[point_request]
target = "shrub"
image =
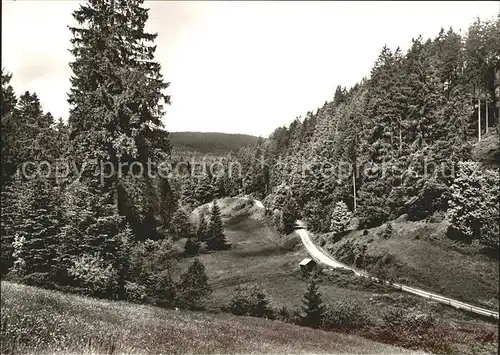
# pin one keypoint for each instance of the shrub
(387, 232)
(252, 301)
(412, 320)
(417, 320)
(393, 317)
(97, 278)
(135, 292)
(345, 315)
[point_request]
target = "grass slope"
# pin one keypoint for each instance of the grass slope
(40, 321)
(260, 255)
(420, 254)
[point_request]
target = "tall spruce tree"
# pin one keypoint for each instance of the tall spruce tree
(313, 306)
(117, 95)
(216, 239)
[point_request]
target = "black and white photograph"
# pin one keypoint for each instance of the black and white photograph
(250, 177)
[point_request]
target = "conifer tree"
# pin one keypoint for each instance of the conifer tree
(116, 96)
(216, 239)
(180, 225)
(313, 307)
(39, 225)
(193, 287)
(290, 214)
(341, 216)
(202, 230)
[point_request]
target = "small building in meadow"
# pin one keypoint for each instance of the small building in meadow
(307, 265)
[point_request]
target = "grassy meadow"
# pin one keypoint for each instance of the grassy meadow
(42, 322)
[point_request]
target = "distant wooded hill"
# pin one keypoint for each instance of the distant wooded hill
(210, 142)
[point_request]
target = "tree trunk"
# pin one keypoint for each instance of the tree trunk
(354, 187)
(400, 139)
(479, 118)
(486, 123)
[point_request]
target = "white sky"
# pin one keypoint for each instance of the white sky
(237, 67)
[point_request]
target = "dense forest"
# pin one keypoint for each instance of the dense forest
(401, 141)
(69, 221)
(212, 143)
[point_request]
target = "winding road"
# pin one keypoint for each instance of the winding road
(322, 257)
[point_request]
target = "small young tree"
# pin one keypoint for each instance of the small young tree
(313, 306)
(216, 239)
(341, 217)
(193, 287)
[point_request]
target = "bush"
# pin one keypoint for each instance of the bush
(97, 278)
(387, 232)
(393, 317)
(345, 315)
(135, 292)
(252, 301)
(419, 321)
(412, 320)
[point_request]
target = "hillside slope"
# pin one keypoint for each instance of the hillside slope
(36, 320)
(420, 254)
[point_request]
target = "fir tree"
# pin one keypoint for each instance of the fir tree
(193, 287)
(216, 238)
(290, 214)
(341, 217)
(180, 225)
(39, 224)
(202, 230)
(313, 307)
(117, 99)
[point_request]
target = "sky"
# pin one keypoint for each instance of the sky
(236, 66)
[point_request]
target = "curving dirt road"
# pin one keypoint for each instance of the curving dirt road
(321, 256)
(324, 258)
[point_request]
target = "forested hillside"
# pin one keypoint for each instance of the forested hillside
(404, 140)
(209, 142)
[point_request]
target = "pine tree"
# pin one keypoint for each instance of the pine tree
(117, 98)
(216, 238)
(341, 217)
(10, 222)
(202, 230)
(313, 307)
(8, 105)
(290, 214)
(181, 225)
(40, 225)
(193, 287)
